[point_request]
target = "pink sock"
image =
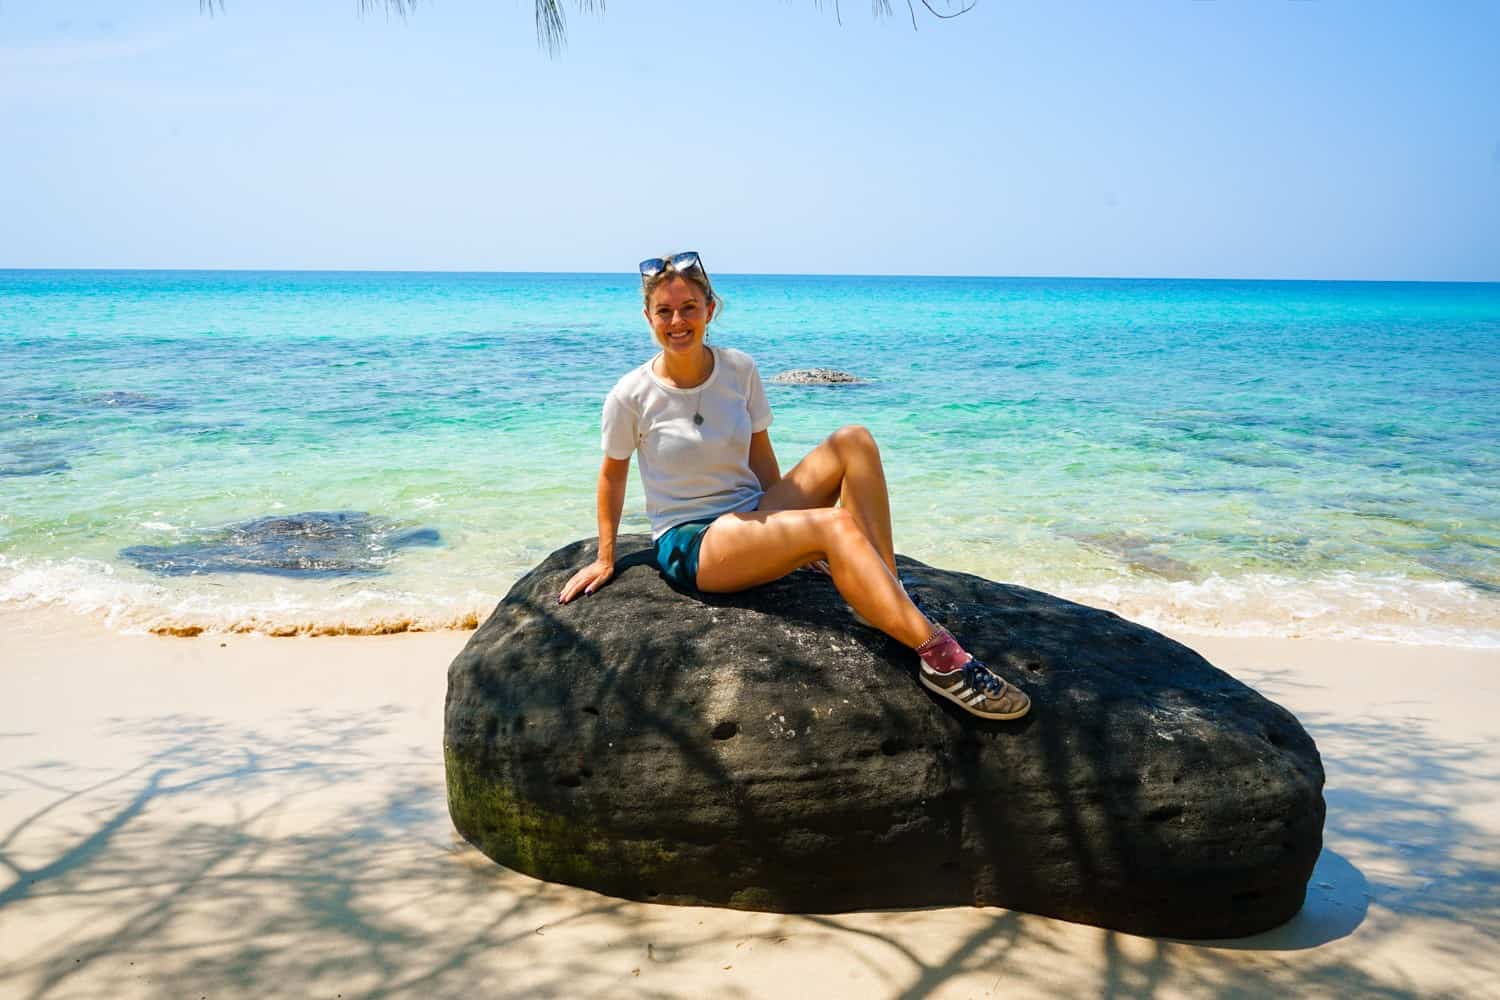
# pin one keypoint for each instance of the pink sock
(942, 653)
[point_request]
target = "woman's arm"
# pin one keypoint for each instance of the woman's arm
(613, 473)
(763, 460)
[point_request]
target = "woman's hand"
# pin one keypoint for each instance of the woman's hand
(587, 580)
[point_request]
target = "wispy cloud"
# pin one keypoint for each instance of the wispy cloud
(105, 70)
(87, 52)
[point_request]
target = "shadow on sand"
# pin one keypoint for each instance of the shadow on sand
(317, 858)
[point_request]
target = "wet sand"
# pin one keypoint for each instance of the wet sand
(259, 817)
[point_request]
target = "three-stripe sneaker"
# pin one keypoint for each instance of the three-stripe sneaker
(977, 689)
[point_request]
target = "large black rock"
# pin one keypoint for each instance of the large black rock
(762, 750)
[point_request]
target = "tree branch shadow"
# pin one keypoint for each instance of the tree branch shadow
(236, 860)
(303, 858)
(1395, 798)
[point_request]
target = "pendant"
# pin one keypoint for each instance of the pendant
(698, 419)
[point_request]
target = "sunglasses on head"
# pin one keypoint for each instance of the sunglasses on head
(685, 261)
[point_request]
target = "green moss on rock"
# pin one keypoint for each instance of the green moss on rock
(548, 845)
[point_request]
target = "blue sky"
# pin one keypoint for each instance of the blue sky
(1190, 139)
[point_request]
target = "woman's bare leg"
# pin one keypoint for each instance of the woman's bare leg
(745, 550)
(845, 469)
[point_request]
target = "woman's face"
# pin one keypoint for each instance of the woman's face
(679, 315)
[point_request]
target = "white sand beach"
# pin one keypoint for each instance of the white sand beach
(257, 817)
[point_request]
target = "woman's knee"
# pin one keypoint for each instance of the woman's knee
(854, 437)
(838, 527)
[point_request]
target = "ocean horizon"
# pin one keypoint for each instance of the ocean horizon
(309, 452)
(228, 269)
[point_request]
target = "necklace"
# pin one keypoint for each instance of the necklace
(713, 363)
(698, 399)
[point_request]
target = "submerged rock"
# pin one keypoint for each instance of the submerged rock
(32, 463)
(1142, 554)
(762, 750)
(814, 376)
(37, 457)
(311, 544)
(132, 401)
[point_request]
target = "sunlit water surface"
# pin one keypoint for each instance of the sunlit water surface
(1284, 458)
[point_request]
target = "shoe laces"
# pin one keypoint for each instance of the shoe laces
(980, 677)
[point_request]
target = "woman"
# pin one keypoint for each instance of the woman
(724, 518)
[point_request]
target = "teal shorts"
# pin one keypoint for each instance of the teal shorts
(677, 552)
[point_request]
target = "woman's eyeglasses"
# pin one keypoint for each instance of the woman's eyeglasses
(685, 261)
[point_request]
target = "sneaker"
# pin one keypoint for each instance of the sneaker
(977, 689)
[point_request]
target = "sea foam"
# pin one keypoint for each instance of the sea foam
(1339, 605)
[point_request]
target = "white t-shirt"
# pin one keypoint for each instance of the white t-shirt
(690, 471)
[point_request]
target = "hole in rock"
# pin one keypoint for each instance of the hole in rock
(519, 724)
(1163, 813)
(587, 772)
(725, 730)
(590, 710)
(570, 780)
(893, 746)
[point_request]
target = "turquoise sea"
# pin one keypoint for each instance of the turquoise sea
(325, 452)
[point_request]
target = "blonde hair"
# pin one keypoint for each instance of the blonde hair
(696, 276)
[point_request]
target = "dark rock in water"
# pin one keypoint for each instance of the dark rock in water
(312, 544)
(814, 376)
(761, 750)
(417, 536)
(30, 465)
(35, 457)
(1136, 552)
